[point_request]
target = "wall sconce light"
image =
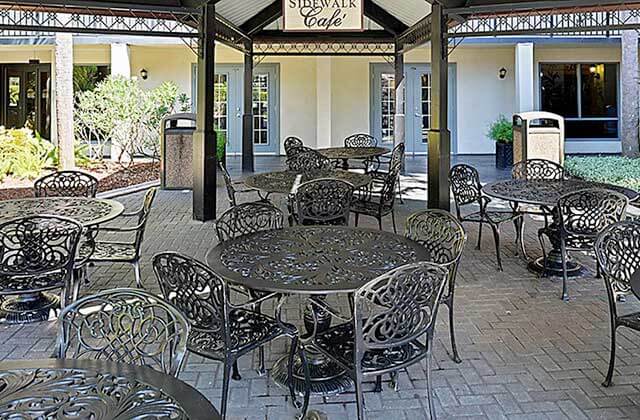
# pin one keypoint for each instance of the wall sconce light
(502, 73)
(144, 74)
(593, 68)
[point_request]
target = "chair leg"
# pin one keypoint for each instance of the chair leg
(380, 223)
(454, 347)
(544, 254)
(393, 219)
(292, 352)
(598, 274)
(359, 395)
(479, 236)
(563, 254)
(236, 373)
(378, 387)
(521, 235)
(307, 382)
(496, 240)
(225, 387)
(136, 271)
(432, 411)
(612, 356)
(357, 216)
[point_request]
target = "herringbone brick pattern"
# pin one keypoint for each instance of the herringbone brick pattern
(526, 354)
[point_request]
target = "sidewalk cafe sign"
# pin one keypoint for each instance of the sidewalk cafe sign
(323, 15)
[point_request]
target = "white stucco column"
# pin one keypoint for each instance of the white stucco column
(120, 60)
(629, 118)
(323, 89)
(525, 77)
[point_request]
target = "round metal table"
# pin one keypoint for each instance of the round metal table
(313, 261)
(356, 153)
(282, 182)
(32, 307)
(546, 193)
(100, 390)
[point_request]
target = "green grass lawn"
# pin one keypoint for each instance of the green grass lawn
(610, 169)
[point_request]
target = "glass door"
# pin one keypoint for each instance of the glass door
(26, 99)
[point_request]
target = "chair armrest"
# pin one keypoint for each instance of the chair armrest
(120, 229)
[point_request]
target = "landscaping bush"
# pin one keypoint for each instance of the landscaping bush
(23, 154)
(501, 130)
(616, 170)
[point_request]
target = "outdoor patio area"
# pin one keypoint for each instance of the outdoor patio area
(525, 353)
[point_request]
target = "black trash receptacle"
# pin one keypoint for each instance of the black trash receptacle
(176, 151)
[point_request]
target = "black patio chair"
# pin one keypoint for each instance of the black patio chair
(219, 330)
(467, 190)
(378, 199)
(618, 252)
(66, 184)
(581, 216)
(246, 219)
(360, 140)
(540, 170)
(37, 254)
(236, 187)
(379, 167)
(392, 327)
(124, 325)
(321, 202)
(309, 161)
(125, 251)
(293, 145)
(443, 235)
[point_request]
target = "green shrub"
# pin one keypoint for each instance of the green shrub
(23, 154)
(616, 170)
(501, 130)
(221, 145)
(80, 151)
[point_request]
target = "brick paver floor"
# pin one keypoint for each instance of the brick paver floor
(526, 354)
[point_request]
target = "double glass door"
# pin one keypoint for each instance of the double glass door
(416, 104)
(25, 97)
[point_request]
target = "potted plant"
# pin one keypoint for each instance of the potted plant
(501, 131)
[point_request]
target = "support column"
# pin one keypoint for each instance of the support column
(629, 118)
(120, 60)
(525, 77)
(399, 134)
(64, 100)
(204, 138)
(247, 116)
(439, 159)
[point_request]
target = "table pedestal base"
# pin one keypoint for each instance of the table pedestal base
(29, 307)
(554, 266)
(327, 377)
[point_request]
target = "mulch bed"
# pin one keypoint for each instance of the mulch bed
(111, 176)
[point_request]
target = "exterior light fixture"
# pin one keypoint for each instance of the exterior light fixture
(144, 74)
(502, 73)
(593, 68)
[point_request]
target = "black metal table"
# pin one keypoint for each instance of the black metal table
(282, 182)
(313, 261)
(357, 153)
(86, 211)
(546, 193)
(100, 390)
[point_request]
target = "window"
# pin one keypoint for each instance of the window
(220, 105)
(261, 109)
(425, 106)
(585, 94)
(388, 106)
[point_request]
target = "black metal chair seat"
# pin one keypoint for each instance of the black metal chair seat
(491, 216)
(339, 343)
(247, 329)
(114, 252)
(12, 285)
(575, 242)
(370, 208)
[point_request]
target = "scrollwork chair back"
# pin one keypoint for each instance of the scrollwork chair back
(124, 325)
(309, 161)
(538, 169)
(465, 185)
(360, 140)
(388, 192)
(588, 212)
(248, 218)
(228, 183)
(293, 145)
(66, 184)
(323, 202)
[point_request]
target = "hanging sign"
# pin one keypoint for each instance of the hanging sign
(323, 15)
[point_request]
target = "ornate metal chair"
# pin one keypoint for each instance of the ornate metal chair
(248, 218)
(580, 217)
(618, 252)
(309, 161)
(128, 252)
(219, 330)
(360, 140)
(378, 199)
(37, 255)
(441, 233)
(538, 169)
(124, 325)
(66, 184)
(235, 187)
(380, 167)
(392, 328)
(321, 202)
(293, 145)
(466, 188)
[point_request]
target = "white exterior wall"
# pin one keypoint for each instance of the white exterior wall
(324, 99)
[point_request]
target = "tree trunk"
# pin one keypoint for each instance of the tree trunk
(64, 100)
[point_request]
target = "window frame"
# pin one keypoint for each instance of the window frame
(579, 96)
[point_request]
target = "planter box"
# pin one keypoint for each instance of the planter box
(504, 155)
